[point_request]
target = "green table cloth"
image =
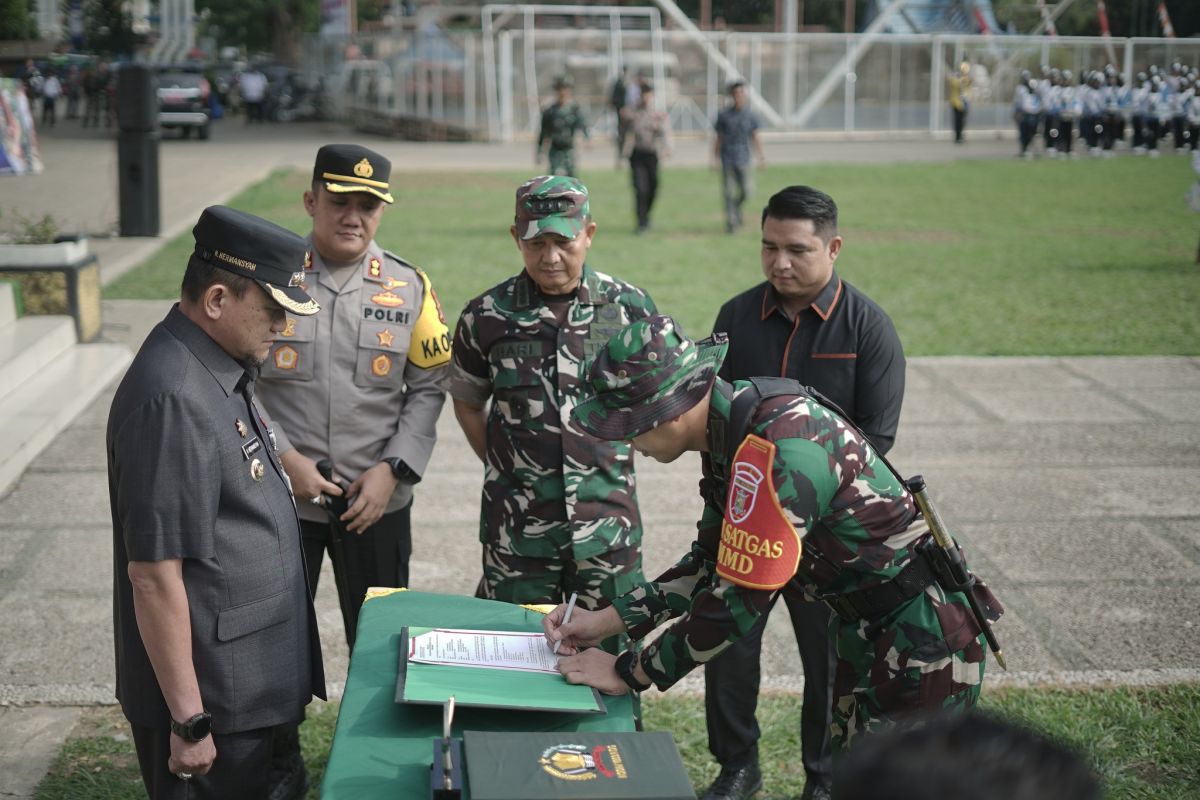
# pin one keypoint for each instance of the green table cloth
(382, 749)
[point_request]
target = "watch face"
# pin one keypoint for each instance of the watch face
(200, 727)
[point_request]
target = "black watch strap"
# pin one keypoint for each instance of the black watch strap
(625, 666)
(194, 729)
(402, 472)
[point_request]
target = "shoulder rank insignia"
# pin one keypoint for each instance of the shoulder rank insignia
(385, 338)
(241, 428)
(374, 267)
(289, 327)
(286, 357)
(759, 547)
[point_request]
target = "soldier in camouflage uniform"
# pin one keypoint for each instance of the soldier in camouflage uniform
(810, 507)
(560, 122)
(559, 511)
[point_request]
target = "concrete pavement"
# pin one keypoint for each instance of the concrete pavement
(1070, 480)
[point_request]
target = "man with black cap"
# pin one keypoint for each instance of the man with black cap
(216, 638)
(794, 495)
(358, 386)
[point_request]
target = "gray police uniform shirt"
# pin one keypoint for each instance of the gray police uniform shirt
(182, 446)
(339, 383)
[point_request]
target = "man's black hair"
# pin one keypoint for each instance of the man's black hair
(804, 202)
(735, 84)
(200, 275)
(962, 755)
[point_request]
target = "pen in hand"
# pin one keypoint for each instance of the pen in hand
(567, 617)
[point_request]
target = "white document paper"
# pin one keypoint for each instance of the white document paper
(527, 652)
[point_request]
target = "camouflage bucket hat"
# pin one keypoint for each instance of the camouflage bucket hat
(648, 374)
(551, 204)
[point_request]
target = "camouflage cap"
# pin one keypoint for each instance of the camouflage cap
(648, 374)
(551, 204)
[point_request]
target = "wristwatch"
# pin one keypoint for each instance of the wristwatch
(403, 472)
(195, 729)
(624, 666)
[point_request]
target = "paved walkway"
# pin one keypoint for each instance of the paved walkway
(1071, 480)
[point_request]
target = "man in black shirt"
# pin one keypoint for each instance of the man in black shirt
(803, 322)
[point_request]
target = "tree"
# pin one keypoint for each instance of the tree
(258, 25)
(16, 21)
(108, 29)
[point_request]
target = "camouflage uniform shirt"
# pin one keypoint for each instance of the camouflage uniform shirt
(560, 122)
(859, 526)
(548, 486)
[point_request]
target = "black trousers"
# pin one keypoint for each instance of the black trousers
(1027, 127)
(960, 122)
(239, 773)
(731, 693)
(644, 167)
(376, 557)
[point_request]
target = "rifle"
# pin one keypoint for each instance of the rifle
(946, 559)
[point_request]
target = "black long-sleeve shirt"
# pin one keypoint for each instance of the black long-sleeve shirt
(843, 345)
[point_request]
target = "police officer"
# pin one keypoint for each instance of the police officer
(561, 120)
(803, 499)
(357, 385)
(216, 638)
(559, 511)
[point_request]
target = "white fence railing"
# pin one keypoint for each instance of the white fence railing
(492, 86)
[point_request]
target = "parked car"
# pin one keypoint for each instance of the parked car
(183, 102)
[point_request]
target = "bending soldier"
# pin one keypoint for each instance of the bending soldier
(803, 503)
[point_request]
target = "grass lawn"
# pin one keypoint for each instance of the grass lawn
(970, 258)
(1142, 742)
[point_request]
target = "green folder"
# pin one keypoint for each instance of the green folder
(567, 765)
(493, 688)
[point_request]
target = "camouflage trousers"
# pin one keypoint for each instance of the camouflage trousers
(928, 655)
(562, 161)
(519, 579)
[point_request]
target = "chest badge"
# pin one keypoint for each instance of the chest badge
(289, 328)
(374, 267)
(257, 470)
(385, 338)
(241, 428)
(286, 357)
(393, 283)
(381, 365)
(387, 299)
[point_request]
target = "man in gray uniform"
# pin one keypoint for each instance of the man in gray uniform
(216, 638)
(357, 385)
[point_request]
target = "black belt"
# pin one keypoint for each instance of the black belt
(877, 601)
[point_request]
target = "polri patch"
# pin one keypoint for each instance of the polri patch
(760, 548)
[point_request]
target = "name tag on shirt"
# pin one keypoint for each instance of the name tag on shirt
(250, 448)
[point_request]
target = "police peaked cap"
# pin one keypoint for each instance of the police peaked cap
(344, 168)
(250, 246)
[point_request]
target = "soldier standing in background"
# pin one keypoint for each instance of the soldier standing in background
(358, 385)
(559, 511)
(561, 120)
